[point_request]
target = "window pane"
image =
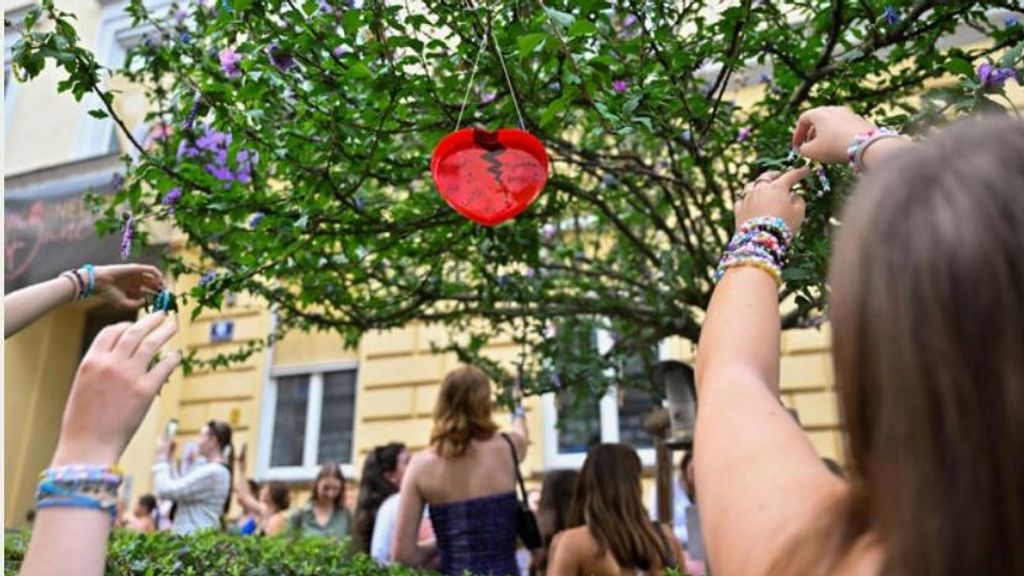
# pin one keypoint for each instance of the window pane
(290, 421)
(336, 418)
(636, 401)
(579, 425)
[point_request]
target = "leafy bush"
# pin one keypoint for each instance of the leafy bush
(222, 554)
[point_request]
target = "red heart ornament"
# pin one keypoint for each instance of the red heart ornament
(489, 177)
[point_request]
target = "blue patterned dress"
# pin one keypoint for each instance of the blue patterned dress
(477, 535)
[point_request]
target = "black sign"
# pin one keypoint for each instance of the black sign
(45, 236)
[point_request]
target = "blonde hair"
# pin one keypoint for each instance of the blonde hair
(462, 412)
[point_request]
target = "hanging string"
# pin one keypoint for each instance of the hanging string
(472, 76)
(508, 79)
(489, 35)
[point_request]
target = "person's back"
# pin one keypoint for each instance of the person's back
(468, 479)
(612, 535)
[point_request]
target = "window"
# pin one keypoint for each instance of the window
(615, 417)
(308, 419)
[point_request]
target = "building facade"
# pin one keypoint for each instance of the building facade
(306, 400)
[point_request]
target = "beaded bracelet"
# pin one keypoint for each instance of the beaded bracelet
(80, 486)
(860, 143)
(82, 473)
(759, 242)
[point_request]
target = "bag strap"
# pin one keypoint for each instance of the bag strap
(515, 464)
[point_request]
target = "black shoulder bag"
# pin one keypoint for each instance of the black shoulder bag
(526, 522)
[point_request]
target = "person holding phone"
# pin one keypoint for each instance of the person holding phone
(203, 493)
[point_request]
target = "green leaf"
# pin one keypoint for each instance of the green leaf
(359, 70)
(959, 66)
(530, 42)
(563, 19)
(98, 113)
(582, 28)
(1011, 56)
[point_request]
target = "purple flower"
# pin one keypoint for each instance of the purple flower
(126, 235)
(530, 272)
(687, 136)
(620, 86)
(488, 97)
(190, 120)
(117, 181)
(230, 62)
(255, 220)
(340, 51)
(890, 15)
(549, 231)
(503, 280)
(280, 58)
(556, 382)
(993, 76)
(207, 278)
(743, 134)
(1011, 21)
(185, 37)
(826, 186)
(172, 197)
(327, 6)
(180, 16)
(556, 86)
(360, 203)
(629, 21)
(765, 78)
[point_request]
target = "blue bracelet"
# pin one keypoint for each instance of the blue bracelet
(90, 286)
(77, 502)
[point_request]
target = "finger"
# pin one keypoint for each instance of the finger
(155, 340)
(159, 374)
(769, 175)
(792, 178)
(133, 303)
(134, 335)
(108, 337)
(803, 127)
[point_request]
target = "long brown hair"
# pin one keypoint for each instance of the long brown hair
(928, 325)
(330, 470)
(221, 432)
(553, 512)
(374, 489)
(462, 412)
(608, 499)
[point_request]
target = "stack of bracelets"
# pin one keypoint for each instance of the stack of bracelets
(80, 486)
(83, 287)
(860, 143)
(759, 242)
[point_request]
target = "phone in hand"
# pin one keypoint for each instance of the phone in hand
(172, 428)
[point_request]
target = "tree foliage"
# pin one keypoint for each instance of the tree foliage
(299, 133)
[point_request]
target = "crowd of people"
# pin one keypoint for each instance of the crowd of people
(927, 312)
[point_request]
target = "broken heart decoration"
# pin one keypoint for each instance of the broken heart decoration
(489, 177)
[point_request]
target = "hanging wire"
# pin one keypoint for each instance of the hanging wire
(508, 79)
(472, 76)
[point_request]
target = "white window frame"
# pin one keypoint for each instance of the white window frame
(116, 37)
(309, 468)
(608, 407)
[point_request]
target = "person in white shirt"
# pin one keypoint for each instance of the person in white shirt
(682, 499)
(203, 493)
(377, 506)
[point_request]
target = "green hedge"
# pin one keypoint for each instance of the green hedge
(214, 553)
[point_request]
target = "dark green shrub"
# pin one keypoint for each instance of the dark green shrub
(218, 554)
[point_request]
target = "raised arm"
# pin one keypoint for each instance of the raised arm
(825, 134)
(125, 285)
(521, 435)
(109, 397)
(404, 548)
(758, 477)
(249, 501)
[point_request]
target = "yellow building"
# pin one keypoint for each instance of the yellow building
(304, 401)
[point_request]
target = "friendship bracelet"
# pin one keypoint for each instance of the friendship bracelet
(760, 243)
(78, 502)
(861, 142)
(771, 268)
(771, 224)
(90, 286)
(74, 283)
(78, 472)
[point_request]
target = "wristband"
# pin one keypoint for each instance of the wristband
(90, 286)
(861, 142)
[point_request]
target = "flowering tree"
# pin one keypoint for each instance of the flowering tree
(293, 142)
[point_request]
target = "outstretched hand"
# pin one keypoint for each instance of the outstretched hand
(113, 389)
(771, 195)
(126, 285)
(823, 134)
